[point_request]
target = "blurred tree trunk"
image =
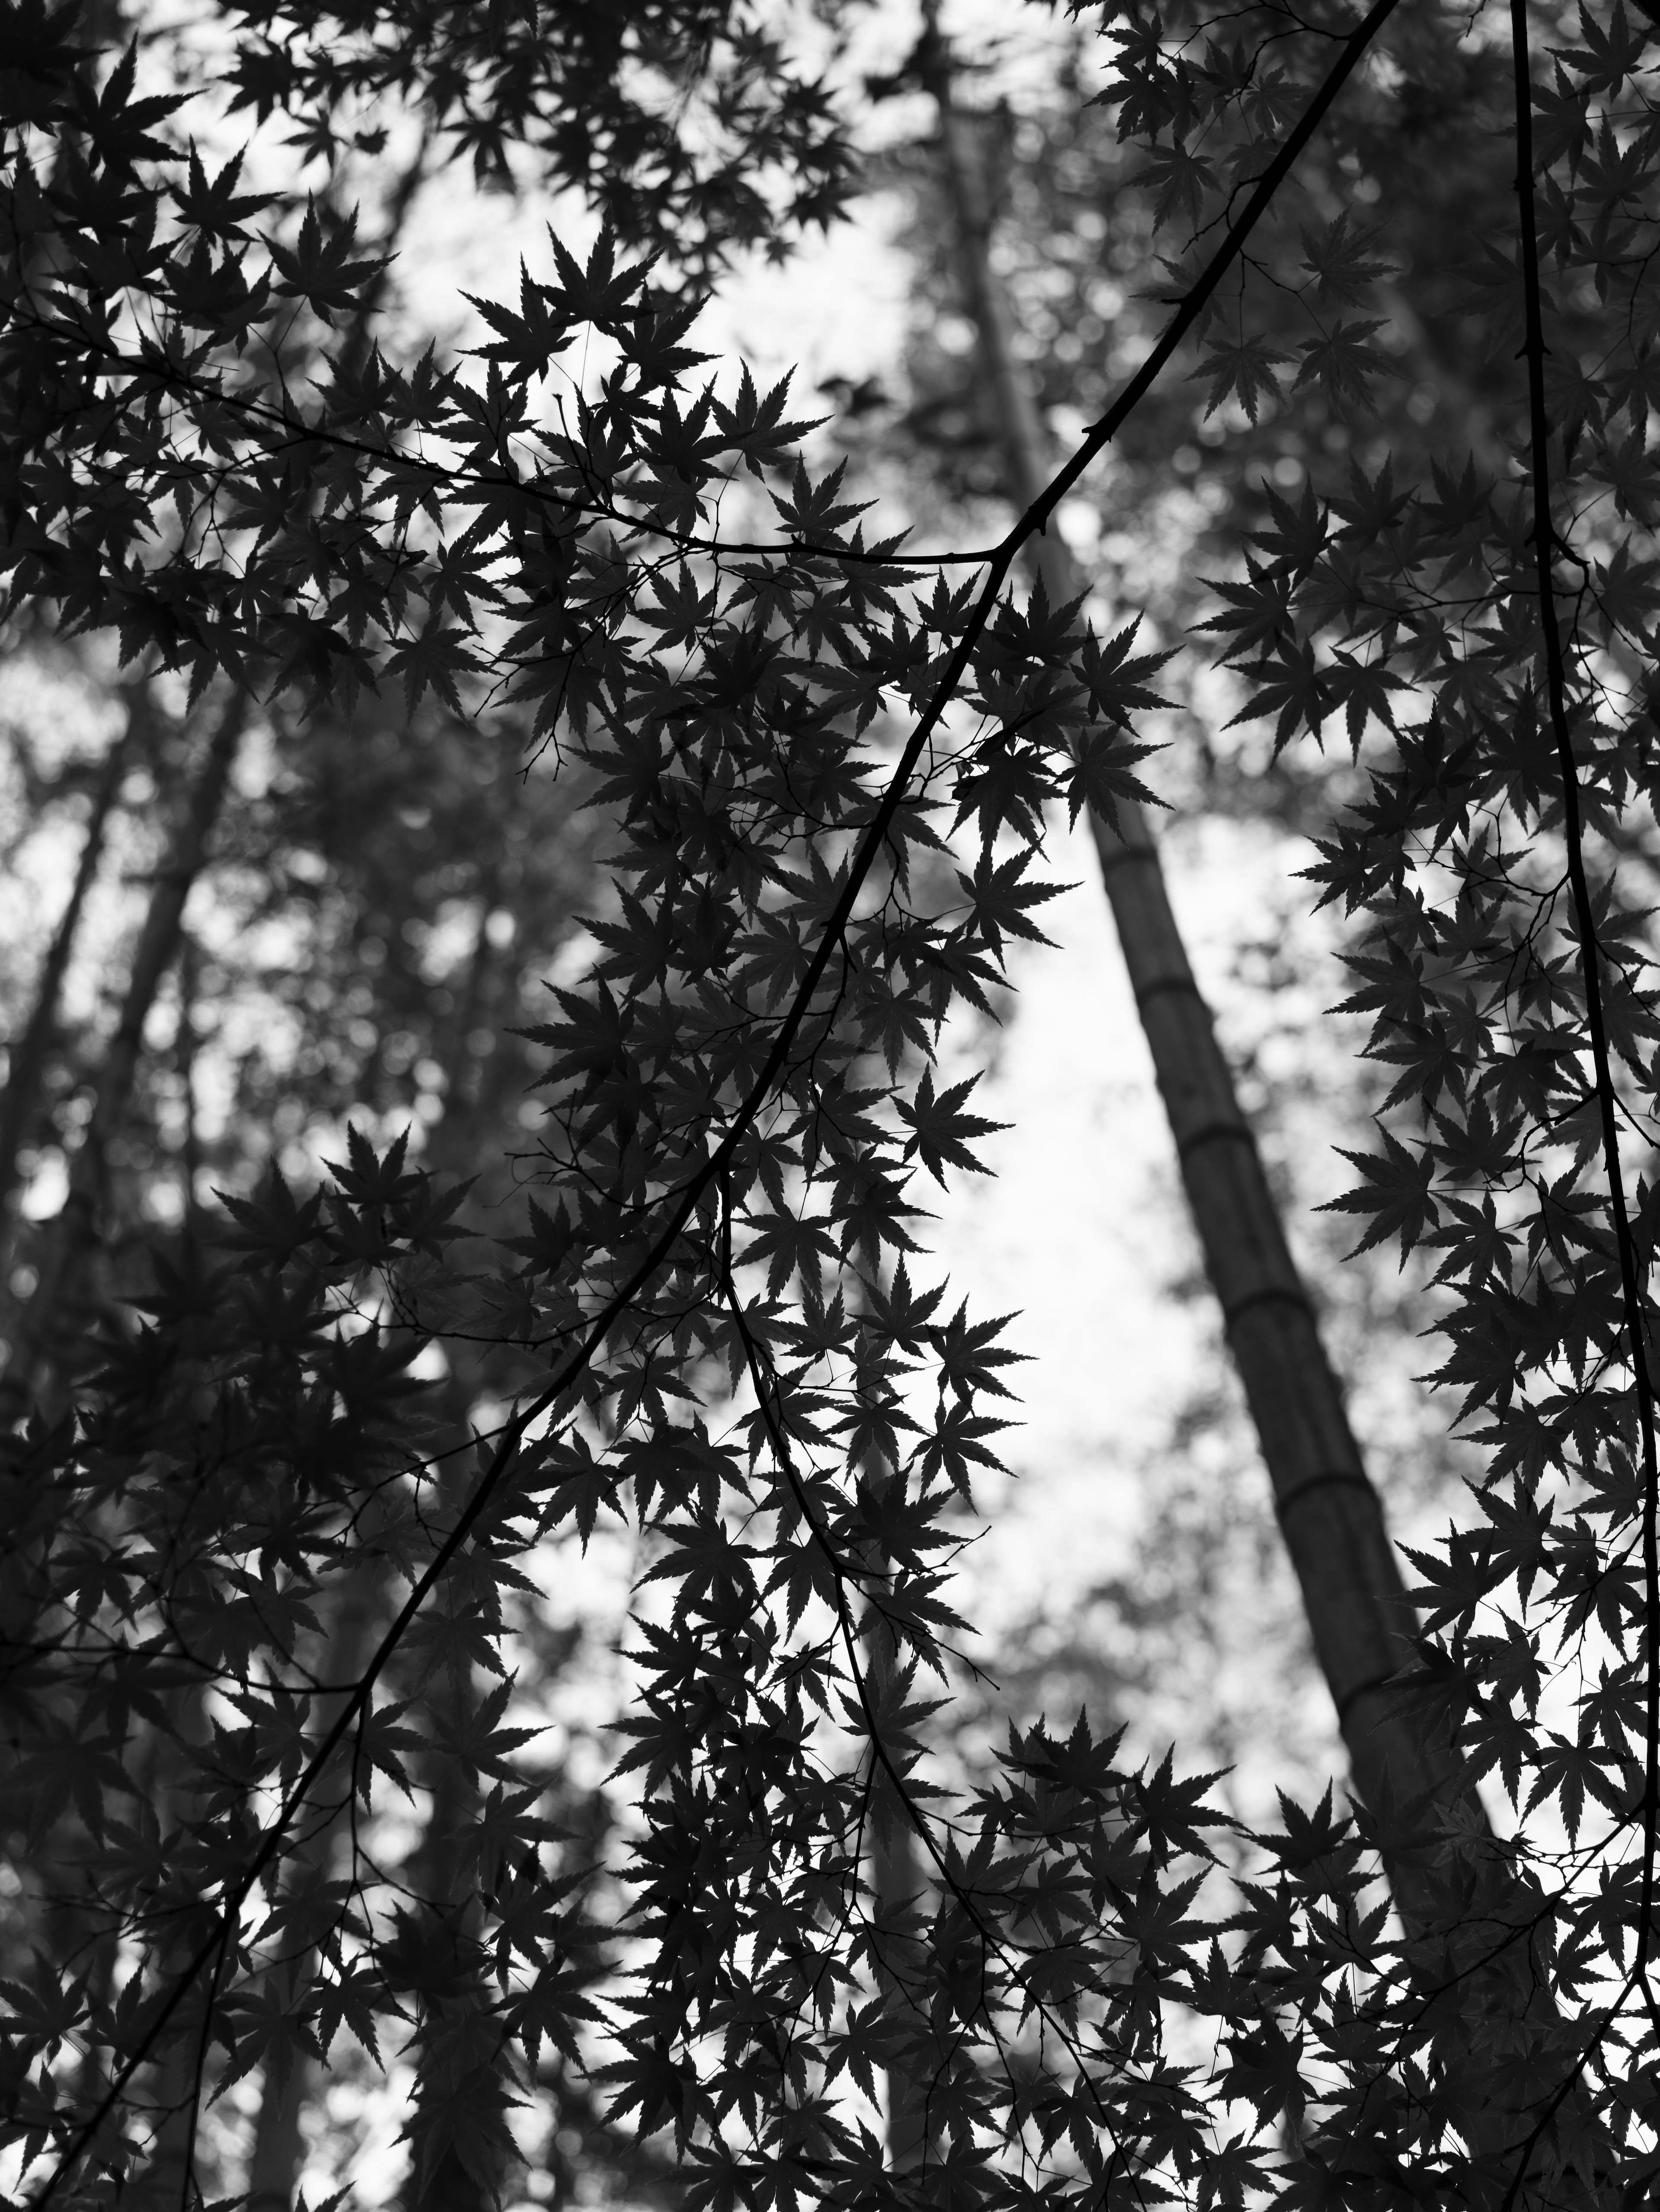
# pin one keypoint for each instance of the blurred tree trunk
(899, 1888)
(459, 2089)
(445, 1877)
(27, 1058)
(279, 2145)
(168, 2180)
(43, 1352)
(50, 1319)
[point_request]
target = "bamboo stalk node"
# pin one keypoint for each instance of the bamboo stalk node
(1288, 1294)
(1349, 1478)
(1239, 1128)
(1162, 984)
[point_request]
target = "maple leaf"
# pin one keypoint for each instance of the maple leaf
(318, 267)
(999, 899)
(1474, 1243)
(756, 427)
(47, 2008)
(549, 1240)
(1260, 614)
(1101, 776)
(372, 1179)
(1342, 363)
(683, 608)
(942, 1130)
(1004, 781)
(1299, 533)
(900, 1314)
(1372, 506)
(598, 293)
(1265, 2067)
(424, 1217)
(1117, 685)
(381, 1740)
(1362, 690)
(1181, 179)
(270, 2026)
(475, 1739)
(1293, 686)
(580, 1487)
(956, 1444)
(216, 208)
(530, 342)
(116, 127)
(1625, 588)
(1610, 52)
(275, 1226)
(1244, 371)
(1342, 261)
(790, 1244)
(1396, 1194)
(815, 512)
(591, 1044)
(1562, 125)
(1155, 1920)
(432, 661)
(969, 1355)
(39, 62)
(1174, 1813)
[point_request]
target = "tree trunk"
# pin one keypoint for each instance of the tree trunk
(462, 2167)
(279, 2145)
(1330, 1513)
(444, 1877)
(42, 1354)
(26, 1061)
(459, 2118)
(49, 1317)
(174, 2092)
(899, 1890)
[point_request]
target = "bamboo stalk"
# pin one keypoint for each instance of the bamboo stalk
(1474, 1918)
(1330, 1516)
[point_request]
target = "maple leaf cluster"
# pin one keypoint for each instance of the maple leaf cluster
(720, 1288)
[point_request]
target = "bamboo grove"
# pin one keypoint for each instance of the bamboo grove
(256, 1560)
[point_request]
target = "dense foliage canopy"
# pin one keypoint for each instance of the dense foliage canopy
(262, 1572)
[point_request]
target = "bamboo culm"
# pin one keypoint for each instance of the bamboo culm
(1329, 1510)
(1470, 1915)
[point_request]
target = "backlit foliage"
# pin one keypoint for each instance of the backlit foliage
(826, 758)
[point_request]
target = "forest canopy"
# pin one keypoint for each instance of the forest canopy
(521, 805)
